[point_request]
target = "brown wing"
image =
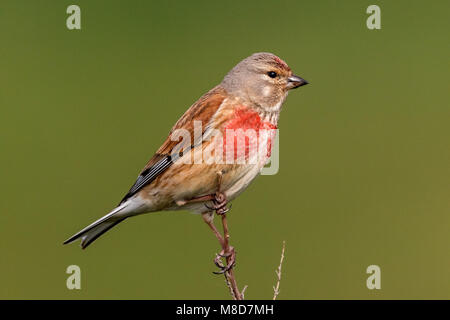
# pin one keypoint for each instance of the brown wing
(202, 110)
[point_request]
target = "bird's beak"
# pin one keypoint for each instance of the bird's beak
(295, 82)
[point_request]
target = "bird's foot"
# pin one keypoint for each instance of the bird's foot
(230, 257)
(219, 204)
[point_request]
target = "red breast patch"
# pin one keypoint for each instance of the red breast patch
(242, 134)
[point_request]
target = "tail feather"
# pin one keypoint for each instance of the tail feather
(96, 232)
(99, 227)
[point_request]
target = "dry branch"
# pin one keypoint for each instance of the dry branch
(276, 289)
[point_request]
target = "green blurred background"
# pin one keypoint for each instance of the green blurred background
(364, 149)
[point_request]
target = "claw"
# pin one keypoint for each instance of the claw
(218, 262)
(222, 211)
(219, 204)
(222, 254)
(231, 259)
(220, 272)
(225, 269)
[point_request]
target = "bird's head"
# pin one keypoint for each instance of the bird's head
(263, 79)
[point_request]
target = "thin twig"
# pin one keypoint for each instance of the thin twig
(231, 281)
(229, 287)
(243, 291)
(276, 289)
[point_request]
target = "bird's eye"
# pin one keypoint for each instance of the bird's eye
(272, 74)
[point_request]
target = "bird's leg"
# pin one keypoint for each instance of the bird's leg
(219, 201)
(220, 206)
(209, 221)
(228, 251)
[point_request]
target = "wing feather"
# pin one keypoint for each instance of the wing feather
(202, 110)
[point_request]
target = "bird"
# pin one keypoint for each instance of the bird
(177, 177)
